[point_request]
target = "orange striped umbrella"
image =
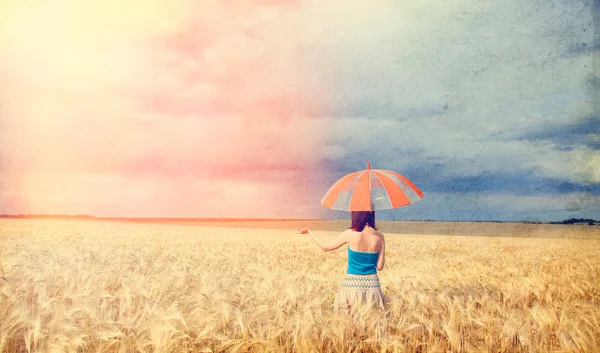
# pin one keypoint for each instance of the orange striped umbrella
(371, 190)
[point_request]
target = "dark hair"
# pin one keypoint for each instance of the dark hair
(362, 218)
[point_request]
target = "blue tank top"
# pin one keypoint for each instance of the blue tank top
(362, 263)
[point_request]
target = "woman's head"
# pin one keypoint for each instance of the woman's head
(362, 218)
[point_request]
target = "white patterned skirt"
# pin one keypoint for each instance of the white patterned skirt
(359, 290)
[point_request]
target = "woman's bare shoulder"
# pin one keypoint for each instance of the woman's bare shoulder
(350, 232)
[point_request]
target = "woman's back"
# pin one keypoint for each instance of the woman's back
(369, 240)
(363, 251)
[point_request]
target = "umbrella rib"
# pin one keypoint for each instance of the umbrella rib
(339, 181)
(354, 189)
(405, 180)
(329, 191)
(404, 185)
(371, 206)
(384, 189)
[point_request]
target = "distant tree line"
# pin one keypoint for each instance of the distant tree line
(577, 220)
(45, 216)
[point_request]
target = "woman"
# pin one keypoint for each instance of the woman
(366, 256)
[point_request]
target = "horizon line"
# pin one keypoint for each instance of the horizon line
(252, 219)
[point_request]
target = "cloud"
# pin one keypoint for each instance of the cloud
(113, 195)
(579, 132)
(148, 102)
(445, 98)
(591, 167)
(465, 54)
(428, 152)
(512, 184)
(156, 105)
(582, 48)
(493, 207)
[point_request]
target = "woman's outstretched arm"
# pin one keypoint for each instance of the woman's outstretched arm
(334, 244)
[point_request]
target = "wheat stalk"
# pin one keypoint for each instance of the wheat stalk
(110, 287)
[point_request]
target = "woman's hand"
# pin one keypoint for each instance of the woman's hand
(336, 243)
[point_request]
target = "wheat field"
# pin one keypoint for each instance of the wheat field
(73, 286)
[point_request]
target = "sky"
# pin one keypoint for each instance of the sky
(162, 108)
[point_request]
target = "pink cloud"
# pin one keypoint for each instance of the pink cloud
(203, 115)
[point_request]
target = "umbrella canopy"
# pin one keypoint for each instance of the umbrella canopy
(371, 190)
